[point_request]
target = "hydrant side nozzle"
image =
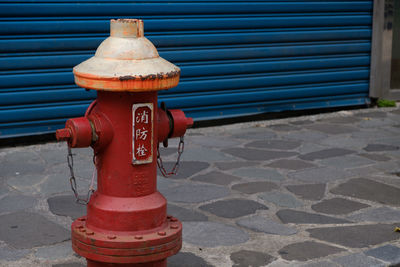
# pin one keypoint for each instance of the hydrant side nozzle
(63, 134)
(77, 132)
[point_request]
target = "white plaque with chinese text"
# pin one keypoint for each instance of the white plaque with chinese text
(142, 133)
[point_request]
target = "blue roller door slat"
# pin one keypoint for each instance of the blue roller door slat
(101, 26)
(115, 9)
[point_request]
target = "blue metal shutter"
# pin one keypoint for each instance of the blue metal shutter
(237, 58)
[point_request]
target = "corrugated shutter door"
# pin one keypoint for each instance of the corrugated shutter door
(237, 58)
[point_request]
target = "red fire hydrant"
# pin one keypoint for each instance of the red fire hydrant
(126, 222)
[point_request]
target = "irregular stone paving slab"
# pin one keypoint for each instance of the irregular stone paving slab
(258, 154)
(58, 183)
(331, 128)
(326, 153)
(11, 254)
(245, 258)
(27, 230)
(374, 114)
(320, 264)
(66, 206)
(275, 144)
(20, 163)
(290, 164)
(262, 224)
(233, 208)
(301, 217)
(308, 191)
(214, 141)
(302, 122)
(380, 147)
(212, 234)
(187, 259)
(58, 251)
(309, 147)
(12, 203)
(375, 123)
(191, 193)
(339, 141)
(216, 177)
(310, 136)
(186, 168)
(358, 236)
(281, 199)
(234, 165)
(376, 157)
(25, 183)
(358, 260)
(184, 214)
(344, 120)
(387, 253)
(370, 190)
(319, 175)
(283, 127)
(74, 264)
(254, 134)
(258, 173)
(166, 151)
(307, 250)
(254, 187)
(381, 214)
(337, 206)
(201, 153)
(53, 156)
(346, 162)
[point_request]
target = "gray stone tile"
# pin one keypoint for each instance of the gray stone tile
(371, 114)
(202, 153)
(11, 254)
(307, 250)
(301, 217)
(191, 193)
(258, 154)
(309, 147)
(331, 128)
(319, 175)
(216, 177)
(381, 214)
(320, 264)
(326, 153)
(380, 147)
(21, 163)
(59, 183)
(387, 253)
(262, 224)
(358, 260)
(291, 164)
(72, 264)
(363, 171)
(245, 258)
(187, 259)
(233, 208)
(258, 173)
(308, 191)
(337, 206)
(55, 252)
(186, 168)
(372, 134)
(370, 190)
(54, 155)
(283, 127)
(167, 151)
(214, 141)
(358, 236)
(275, 144)
(254, 187)
(17, 230)
(339, 141)
(301, 122)
(234, 165)
(66, 206)
(26, 183)
(342, 120)
(375, 123)
(345, 162)
(375, 157)
(14, 202)
(254, 134)
(309, 136)
(184, 214)
(212, 234)
(281, 199)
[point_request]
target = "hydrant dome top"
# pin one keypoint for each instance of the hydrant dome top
(126, 61)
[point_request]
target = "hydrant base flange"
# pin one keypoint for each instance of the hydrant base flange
(127, 247)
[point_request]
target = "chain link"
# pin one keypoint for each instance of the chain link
(72, 179)
(175, 169)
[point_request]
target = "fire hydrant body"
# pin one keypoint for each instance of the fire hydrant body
(126, 222)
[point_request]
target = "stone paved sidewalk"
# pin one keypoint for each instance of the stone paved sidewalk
(319, 190)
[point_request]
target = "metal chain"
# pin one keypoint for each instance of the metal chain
(72, 180)
(175, 169)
